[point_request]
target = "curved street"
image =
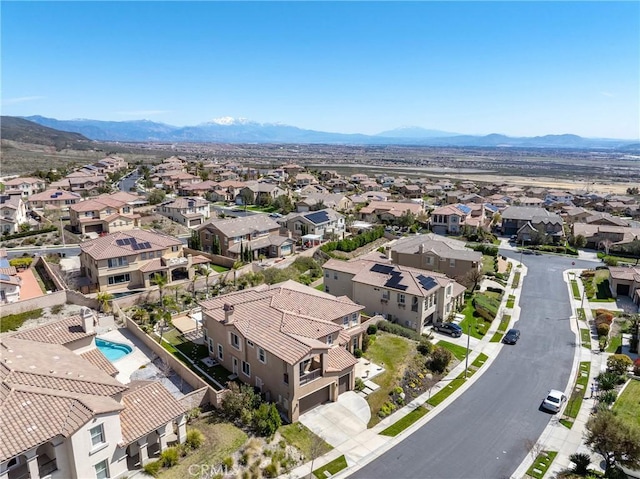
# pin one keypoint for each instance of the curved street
(488, 431)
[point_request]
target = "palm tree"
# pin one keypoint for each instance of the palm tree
(103, 301)
(161, 281)
(165, 322)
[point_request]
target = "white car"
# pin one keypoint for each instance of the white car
(554, 400)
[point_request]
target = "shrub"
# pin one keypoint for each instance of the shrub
(271, 470)
(365, 342)
(357, 353)
(386, 409)
(425, 347)
(619, 364)
(603, 329)
(152, 468)
(398, 330)
(495, 290)
(607, 381)
(636, 367)
(227, 462)
(602, 343)
(604, 317)
(266, 419)
(372, 329)
(581, 461)
(359, 384)
(439, 359)
(610, 261)
(194, 439)
(169, 457)
(609, 397)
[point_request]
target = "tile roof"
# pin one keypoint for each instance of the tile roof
(58, 332)
(437, 244)
(95, 357)
(391, 207)
(259, 243)
(106, 247)
(241, 226)
(340, 359)
(148, 406)
(60, 195)
(525, 213)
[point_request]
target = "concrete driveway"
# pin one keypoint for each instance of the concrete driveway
(340, 421)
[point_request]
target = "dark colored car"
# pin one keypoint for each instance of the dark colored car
(449, 328)
(511, 337)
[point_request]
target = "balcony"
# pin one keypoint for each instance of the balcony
(310, 376)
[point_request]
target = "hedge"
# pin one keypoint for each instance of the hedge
(398, 330)
(29, 233)
(350, 244)
(487, 249)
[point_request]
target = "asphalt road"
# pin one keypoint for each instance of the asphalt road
(67, 251)
(488, 431)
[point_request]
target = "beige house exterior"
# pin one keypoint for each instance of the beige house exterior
(129, 259)
(66, 417)
(53, 199)
(411, 297)
(25, 187)
(290, 341)
(436, 253)
(13, 213)
(625, 281)
(104, 214)
(388, 211)
(190, 212)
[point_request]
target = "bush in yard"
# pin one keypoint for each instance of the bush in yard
(266, 419)
(425, 347)
(609, 397)
(386, 409)
(398, 330)
(605, 317)
(357, 353)
(239, 401)
(365, 342)
(603, 330)
(271, 470)
(152, 468)
(619, 364)
(227, 462)
(372, 329)
(359, 384)
(636, 367)
(439, 359)
(602, 343)
(607, 381)
(169, 457)
(194, 439)
(581, 461)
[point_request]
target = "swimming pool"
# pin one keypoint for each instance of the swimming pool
(112, 351)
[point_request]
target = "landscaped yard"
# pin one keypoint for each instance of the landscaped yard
(393, 353)
(579, 390)
(627, 406)
(488, 264)
(459, 352)
(221, 440)
(12, 322)
(478, 325)
(300, 436)
(400, 425)
(332, 468)
(541, 464)
(219, 269)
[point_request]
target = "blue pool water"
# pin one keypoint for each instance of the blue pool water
(112, 351)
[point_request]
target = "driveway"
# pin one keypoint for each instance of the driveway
(338, 422)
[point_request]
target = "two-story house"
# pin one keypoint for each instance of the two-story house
(128, 260)
(104, 214)
(64, 415)
(87, 184)
(24, 186)
(288, 340)
(411, 297)
(524, 221)
(10, 282)
(450, 219)
(190, 212)
(318, 201)
(262, 193)
(53, 199)
(389, 212)
(436, 253)
(233, 236)
(321, 224)
(13, 213)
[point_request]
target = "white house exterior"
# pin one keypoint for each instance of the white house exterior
(13, 212)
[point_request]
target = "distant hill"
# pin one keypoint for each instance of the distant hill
(229, 130)
(24, 131)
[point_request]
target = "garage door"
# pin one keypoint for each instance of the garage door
(622, 290)
(343, 384)
(93, 229)
(314, 399)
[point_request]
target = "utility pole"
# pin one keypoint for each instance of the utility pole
(466, 362)
(62, 232)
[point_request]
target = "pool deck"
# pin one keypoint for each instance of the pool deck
(140, 356)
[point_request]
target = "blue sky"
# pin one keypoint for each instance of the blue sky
(518, 68)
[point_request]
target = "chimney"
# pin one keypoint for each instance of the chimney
(228, 312)
(88, 320)
(421, 248)
(388, 251)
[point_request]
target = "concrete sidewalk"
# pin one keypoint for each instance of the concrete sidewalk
(369, 444)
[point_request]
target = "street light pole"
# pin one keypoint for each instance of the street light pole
(466, 363)
(62, 232)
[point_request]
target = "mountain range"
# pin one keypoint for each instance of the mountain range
(229, 130)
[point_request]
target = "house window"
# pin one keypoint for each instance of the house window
(210, 346)
(335, 275)
(452, 263)
(449, 288)
(119, 278)
(235, 341)
(414, 304)
(143, 256)
(262, 355)
(401, 298)
(354, 318)
(345, 321)
(286, 378)
(326, 274)
(97, 435)
(330, 339)
(117, 262)
(249, 343)
(174, 248)
(355, 343)
(220, 355)
(246, 368)
(102, 470)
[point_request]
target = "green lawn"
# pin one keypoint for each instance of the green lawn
(471, 318)
(301, 437)
(581, 314)
(614, 343)
(627, 406)
(601, 283)
(575, 289)
(542, 463)
(221, 440)
(459, 352)
(12, 322)
(332, 468)
(219, 269)
(511, 301)
(497, 337)
(575, 401)
(393, 353)
(447, 391)
(488, 264)
(585, 337)
(320, 287)
(399, 426)
(516, 280)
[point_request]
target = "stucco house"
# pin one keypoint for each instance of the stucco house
(13, 213)
(322, 223)
(288, 340)
(436, 253)
(104, 214)
(625, 281)
(25, 187)
(66, 417)
(515, 217)
(449, 219)
(411, 297)
(128, 260)
(389, 211)
(188, 211)
(53, 199)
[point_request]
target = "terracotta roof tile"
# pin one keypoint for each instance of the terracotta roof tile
(59, 332)
(95, 357)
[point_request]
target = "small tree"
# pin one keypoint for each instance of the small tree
(266, 419)
(160, 280)
(156, 196)
(614, 439)
(194, 241)
(103, 299)
(471, 279)
(439, 360)
(619, 364)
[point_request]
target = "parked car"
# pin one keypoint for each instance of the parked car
(554, 400)
(449, 328)
(511, 337)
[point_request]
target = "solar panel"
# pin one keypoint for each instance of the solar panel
(426, 282)
(318, 217)
(135, 246)
(464, 208)
(144, 245)
(394, 281)
(123, 241)
(381, 268)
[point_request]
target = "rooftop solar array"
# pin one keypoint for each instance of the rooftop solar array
(464, 208)
(381, 268)
(394, 281)
(318, 217)
(139, 246)
(426, 282)
(123, 241)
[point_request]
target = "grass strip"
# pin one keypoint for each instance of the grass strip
(511, 301)
(585, 337)
(542, 463)
(581, 314)
(575, 289)
(399, 426)
(516, 280)
(575, 401)
(497, 337)
(445, 392)
(332, 467)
